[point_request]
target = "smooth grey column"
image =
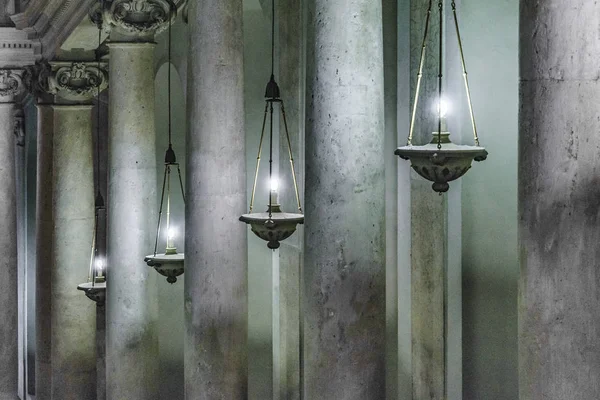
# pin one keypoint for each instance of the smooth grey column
(8, 263)
(559, 206)
(216, 277)
(344, 332)
(131, 303)
(429, 231)
(66, 322)
(73, 316)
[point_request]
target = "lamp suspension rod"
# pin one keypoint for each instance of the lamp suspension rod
(287, 134)
(262, 136)
(162, 199)
(168, 205)
(466, 79)
(93, 252)
(181, 183)
(420, 74)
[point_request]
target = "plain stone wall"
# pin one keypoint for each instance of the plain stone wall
(559, 192)
(489, 231)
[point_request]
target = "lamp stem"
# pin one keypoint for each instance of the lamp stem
(271, 157)
(169, 243)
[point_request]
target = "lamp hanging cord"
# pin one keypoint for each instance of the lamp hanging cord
(272, 38)
(466, 79)
(100, 77)
(169, 70)
(420, 74)
(440, 75)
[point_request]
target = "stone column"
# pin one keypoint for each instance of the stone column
(344, 304)
(10, 85)
(559, 207)
(66, 321)
(216, 280)
(131, 294)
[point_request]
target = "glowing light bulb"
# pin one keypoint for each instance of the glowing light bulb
(274, 184)
(441, 108)
(274, 196)
(171, 234)
(99, 265)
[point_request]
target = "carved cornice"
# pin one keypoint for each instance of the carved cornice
(11, 84)
(48, 23)
(140, 17)
(77, 81)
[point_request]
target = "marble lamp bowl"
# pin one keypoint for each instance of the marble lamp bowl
(274, 229)
(169, 265)
(444, 165)
(95, 292)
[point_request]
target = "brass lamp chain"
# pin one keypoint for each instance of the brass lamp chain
(170, 159)
(273, 97)
(420, 73)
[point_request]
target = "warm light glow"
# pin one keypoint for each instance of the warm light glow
(274, 184)
(99, 265)
(442, 108)
(171, 234)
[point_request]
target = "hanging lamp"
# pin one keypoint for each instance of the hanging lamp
(274, 225)
(170, 263)
(95, 287)
(440, 160)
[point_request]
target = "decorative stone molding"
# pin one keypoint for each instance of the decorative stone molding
(140, 17)
(77, 81)
(11, 84)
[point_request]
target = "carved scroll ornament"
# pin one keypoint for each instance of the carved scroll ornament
(140, 17)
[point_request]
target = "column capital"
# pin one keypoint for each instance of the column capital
(11, 84)
(69, 80)
(138, 17)
(77, 80)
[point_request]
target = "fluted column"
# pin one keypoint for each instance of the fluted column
(66, 319)
(10, 85)
(344, 264)
(216, 281)
(559, 206)
(131, 298)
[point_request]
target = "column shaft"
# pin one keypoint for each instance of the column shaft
(66, 318)
(559, 192)
(131, 304)
(8, 264)
(44, 249)
(216, 281)
(344, 332)
(73, 332)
